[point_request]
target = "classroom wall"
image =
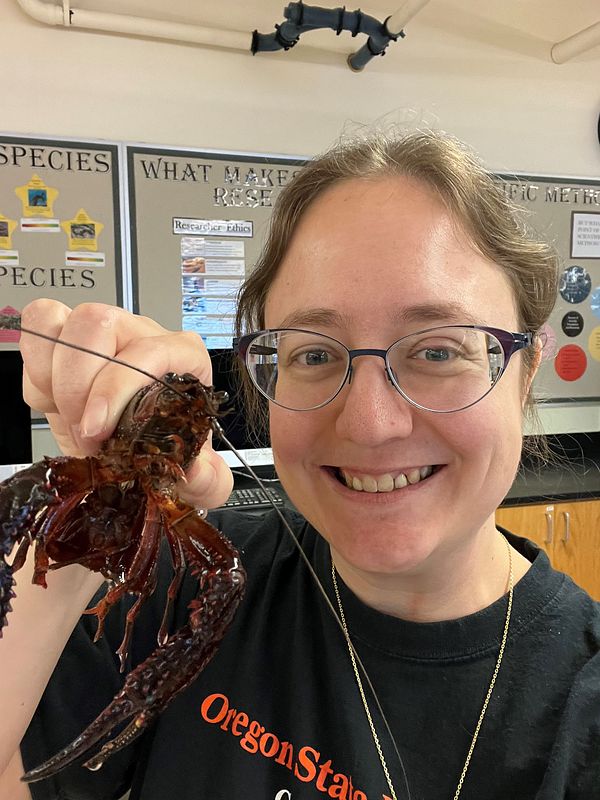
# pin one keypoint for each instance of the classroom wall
(501, 93)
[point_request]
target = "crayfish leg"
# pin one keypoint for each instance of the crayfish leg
(140, 578)
(21, 554)
(178, 560)
(123, 650)
(43, 531)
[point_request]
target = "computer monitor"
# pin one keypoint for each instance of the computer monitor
(235, 425)
(15, 415)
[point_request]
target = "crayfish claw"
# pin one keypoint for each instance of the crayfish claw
(131, 732)
(153, 684)
(118, 711)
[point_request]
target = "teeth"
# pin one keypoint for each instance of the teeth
(400, 482)
(369, 484)
(414, 476)
(385, 483)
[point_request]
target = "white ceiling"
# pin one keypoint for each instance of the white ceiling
(525, 26)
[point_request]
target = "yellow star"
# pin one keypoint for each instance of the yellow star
(82, 231)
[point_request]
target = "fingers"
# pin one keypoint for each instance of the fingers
(209, 480)
(157, 352)
(46, 317)
(88, 391)
(83, 395)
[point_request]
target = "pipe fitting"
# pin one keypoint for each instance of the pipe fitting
(301, 18)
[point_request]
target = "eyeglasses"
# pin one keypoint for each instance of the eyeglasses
(441, 369)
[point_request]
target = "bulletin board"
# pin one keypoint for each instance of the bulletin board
(198, 221)
(60, 223)
(566, 212)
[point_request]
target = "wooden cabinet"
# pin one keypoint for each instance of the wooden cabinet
(568, 532)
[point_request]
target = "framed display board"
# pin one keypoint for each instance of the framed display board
(566, 212)
(198, 220)
(197, 224)
(60, 223)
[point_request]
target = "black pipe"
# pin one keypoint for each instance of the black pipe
(376, 44)
(302, 18)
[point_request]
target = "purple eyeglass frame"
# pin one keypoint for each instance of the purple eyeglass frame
(510, 342)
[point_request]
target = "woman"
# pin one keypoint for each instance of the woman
(395, 290)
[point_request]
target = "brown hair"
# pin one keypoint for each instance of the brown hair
(495, 226)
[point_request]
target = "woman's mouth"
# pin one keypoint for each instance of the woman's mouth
(383, 482)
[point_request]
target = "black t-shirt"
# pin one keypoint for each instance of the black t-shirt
(277, 714)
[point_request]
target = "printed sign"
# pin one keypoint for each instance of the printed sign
(60, 233)
(585, 239)
(199, 220)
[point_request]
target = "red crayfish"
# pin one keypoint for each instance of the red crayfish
(110, 513)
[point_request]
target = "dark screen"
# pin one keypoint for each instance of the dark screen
(233, 423)
(15, 416)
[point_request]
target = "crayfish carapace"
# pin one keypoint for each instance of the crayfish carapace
(110, 513)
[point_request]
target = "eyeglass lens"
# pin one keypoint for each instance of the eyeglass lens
(442, 369)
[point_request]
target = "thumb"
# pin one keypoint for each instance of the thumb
(209, 480)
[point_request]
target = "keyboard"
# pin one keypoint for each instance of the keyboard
(254, 497)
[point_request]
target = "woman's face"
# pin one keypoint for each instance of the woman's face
(370, 262)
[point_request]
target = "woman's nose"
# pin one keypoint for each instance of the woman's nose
(371, 409)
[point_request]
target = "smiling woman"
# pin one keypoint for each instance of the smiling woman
(391, 331)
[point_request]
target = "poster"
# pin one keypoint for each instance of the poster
(566, 211)
(199, 220)
(60, 230)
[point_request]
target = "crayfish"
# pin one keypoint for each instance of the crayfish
(110, 513)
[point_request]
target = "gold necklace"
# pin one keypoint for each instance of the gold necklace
(485, 702)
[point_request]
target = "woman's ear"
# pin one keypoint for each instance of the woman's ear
(538, 347)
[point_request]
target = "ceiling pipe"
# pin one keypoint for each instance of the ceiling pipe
(52, 14)
(392, 29)
(63, 15)
(42, 12)
(576, 44)
(301, 18)
(396, 21)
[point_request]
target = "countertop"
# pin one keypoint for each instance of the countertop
(576, 480)
(571, 473)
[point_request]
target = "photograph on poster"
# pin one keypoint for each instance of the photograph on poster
(193, 265)
(575, 284)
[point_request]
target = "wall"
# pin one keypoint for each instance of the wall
(503, 95)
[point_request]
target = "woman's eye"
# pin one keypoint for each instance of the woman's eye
(314, 357)
(437, 353)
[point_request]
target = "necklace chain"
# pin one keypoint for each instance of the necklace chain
(485, 702)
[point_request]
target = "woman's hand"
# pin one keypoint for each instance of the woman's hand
(83, 396)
